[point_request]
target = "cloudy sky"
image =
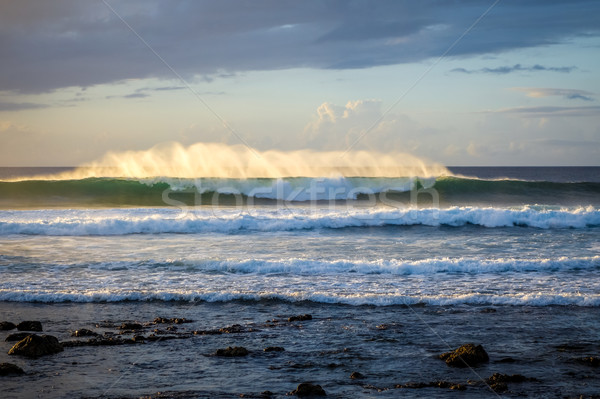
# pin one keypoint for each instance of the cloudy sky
(508, 82)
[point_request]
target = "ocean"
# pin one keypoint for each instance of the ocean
(393, 271)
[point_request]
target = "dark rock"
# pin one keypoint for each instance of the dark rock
(29, 326)
(177, 320)
(234, 329)
(131, 326)
(497, 377)
(17, 336)
(36, 345)
(207, 332)
(306, 389)
(592, 361)
(499, 387)
(6, 326)
(570, 347)
(413, 385)
(356, 375)
(84, 332)
(267, 394)
(468, 355)
(303, 317)
(9, 368)
(99, 341)
(273, 349)
(235, 351)
(433, 384)
(506, 360)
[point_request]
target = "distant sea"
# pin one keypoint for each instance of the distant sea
(394, 272)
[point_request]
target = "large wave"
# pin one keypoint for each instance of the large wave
(108, 192)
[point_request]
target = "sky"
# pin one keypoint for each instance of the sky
(462, 83)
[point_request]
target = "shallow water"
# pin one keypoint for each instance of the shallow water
(389, 345)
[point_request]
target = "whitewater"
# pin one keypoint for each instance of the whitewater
(394, 268)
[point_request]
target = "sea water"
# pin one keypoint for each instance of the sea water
(512, 238)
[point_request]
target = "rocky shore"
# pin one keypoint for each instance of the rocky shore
(470, 368)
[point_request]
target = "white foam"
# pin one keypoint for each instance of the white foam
(530, 299)
(233, 220)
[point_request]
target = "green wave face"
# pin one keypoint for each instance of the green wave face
(445, 191)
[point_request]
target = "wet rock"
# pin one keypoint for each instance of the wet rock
(176, 320)
(84, 332)
(570, 347)
(356, 375)
(207, 332)
(499, 387)
(303, 317)
(433, 384)
(7, 326)
(235, 329)
(273, 349)
(100, 341)
(36, 345)
(468, 355)
(235, 351)
(29, 325)
(306, 389)
(498, 377)
(592, 361)
(16, 336)
(131, 326)
(9, 368)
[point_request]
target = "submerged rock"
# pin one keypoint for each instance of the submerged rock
(498, 377)
(433, 384)
(306, 389)
(468, 355)
(29, 325)
(9, 368)
(235, 351)
(131, 326)
(175, 320)
(273, 349)
(356, 375)
(84, 332)
(36, 345)
(17, 336)
(592, 361)
(303, 317)
(7, 326)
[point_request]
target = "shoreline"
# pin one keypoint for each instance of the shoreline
(389, 346)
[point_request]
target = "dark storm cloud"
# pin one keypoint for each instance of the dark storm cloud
(503, 70)
(48, 45)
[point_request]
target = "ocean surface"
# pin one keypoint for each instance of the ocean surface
(424, 253)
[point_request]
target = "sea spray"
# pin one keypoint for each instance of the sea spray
(217, 160)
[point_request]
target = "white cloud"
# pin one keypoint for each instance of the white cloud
(570, 94)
